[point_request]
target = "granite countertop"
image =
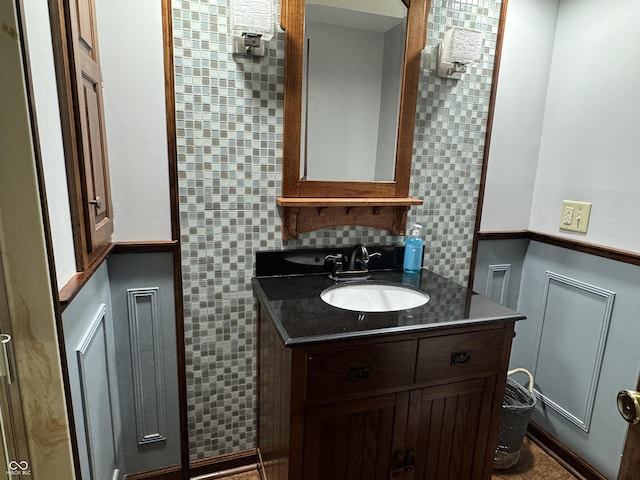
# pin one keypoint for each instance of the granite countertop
(301, 317)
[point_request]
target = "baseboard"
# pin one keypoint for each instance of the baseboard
(562, 454)
(198, 468)
(173, 472)
(224, 462)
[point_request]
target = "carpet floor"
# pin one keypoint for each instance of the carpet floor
(534, 463)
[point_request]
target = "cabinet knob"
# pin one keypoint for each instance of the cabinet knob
(97, 202)
(359, 373)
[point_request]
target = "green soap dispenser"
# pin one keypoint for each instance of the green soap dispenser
(413, 247)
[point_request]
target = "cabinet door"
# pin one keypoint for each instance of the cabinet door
(90, 116)
(75, 41)
(449, 430)
(356, 439)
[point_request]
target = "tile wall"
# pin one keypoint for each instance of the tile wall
(229, 129)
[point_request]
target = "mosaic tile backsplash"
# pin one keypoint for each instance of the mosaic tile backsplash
(229, 134)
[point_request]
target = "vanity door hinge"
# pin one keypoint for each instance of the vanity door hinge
(397, 463)
(409, 461)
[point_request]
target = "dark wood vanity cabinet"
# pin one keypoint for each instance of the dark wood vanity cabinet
(412, 406)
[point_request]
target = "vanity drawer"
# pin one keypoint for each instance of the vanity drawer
(336, 374)
(459, 355)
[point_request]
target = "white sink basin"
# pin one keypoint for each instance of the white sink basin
(373, 297)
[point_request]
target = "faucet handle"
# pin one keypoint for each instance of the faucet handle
(337, 260)
(368, 256)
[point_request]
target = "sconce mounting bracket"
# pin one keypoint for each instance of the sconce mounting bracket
(449, 70)
(248, 44)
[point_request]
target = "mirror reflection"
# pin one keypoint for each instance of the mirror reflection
(352, 77)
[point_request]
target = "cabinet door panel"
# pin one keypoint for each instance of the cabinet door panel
(99, 222)
(85, 23)
(353, 440)
(449, 426)
(468, 412)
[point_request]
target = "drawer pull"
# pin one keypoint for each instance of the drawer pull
(460, 358)
(359, 373)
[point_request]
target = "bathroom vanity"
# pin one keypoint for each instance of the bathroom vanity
(413, 394)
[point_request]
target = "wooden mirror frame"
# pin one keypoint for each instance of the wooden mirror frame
(309, 205)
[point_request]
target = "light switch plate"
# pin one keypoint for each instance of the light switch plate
(575, 216)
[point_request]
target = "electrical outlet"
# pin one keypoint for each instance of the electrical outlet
(575, 216)
(567, 215)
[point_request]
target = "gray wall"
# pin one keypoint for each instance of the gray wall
(94, 392)
(135, 340)
(144, 330)
(499, 270)
(580, 340)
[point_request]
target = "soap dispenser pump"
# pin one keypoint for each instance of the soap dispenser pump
(413, 247)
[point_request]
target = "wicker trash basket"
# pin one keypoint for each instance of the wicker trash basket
(517, 407)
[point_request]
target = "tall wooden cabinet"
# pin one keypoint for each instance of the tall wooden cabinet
(417, 406)
(79, 79)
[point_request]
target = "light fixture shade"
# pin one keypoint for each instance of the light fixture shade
(462, 45)
(253, 16)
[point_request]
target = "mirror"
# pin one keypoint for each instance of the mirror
(297, 14)
(352, 74)
(375, 194)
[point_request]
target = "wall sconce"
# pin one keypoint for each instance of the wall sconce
(252, 23)
(460, 48)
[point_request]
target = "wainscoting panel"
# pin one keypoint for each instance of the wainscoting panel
(142, 296)
(566, 352)
(146, 351)
(573, 313)
(498, 283)
(499, 270)
(97, 398)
